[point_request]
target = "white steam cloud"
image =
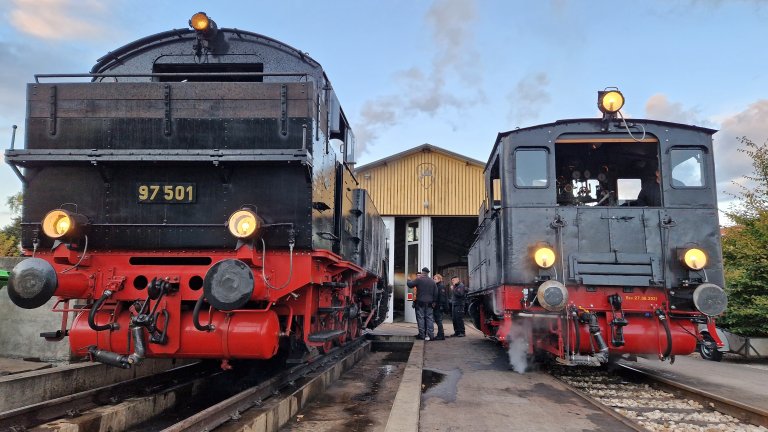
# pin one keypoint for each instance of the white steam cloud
(518, 345)
(528, 98)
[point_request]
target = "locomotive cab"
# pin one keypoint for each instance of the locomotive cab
(584, 239)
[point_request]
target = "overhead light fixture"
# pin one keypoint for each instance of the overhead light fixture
(203, 25)
(610, 100)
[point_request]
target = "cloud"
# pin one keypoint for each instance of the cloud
(59, 19)
(20, 62)
(731, 164)
(528, 98)
(429, 90)
(660, 108)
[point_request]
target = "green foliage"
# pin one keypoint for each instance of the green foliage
(745, 250)
(10, 235)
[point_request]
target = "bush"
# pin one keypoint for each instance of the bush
(745, 250)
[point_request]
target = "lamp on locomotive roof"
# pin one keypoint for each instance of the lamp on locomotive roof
(201, 23)
(609, 101)
(205, 30)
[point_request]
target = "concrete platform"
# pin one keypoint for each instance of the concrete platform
(10, 366)
(466, 384)
(34, 386)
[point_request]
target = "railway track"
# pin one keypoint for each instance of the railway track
(194, 397)
(646, 402)
(74, 405)
(270, 404)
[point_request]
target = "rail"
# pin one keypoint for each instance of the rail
(742, 411)
(232, 408)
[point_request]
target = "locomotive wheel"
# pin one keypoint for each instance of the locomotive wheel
(708, 349)
(353, 329)
(327, 347)
(343, 339)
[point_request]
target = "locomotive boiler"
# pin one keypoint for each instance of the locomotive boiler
(194, 198)
(598, 238)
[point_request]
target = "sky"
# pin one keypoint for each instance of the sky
(452, 73)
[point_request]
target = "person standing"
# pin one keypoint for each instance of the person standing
(442, 305)
(426, 297)
(458, 297)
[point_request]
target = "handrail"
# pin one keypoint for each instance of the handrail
(169, 75)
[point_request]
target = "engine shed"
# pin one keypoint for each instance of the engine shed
(429, 198)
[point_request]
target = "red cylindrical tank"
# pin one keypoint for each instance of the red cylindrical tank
(644, 335)
(238, 334)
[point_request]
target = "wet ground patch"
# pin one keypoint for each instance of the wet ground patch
(362, 398)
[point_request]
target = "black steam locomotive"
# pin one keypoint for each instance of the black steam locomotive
(195, 199)
(599, 237)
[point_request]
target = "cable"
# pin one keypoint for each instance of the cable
(85, 249)
(624, 122)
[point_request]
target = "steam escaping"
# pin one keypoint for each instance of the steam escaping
(455, 64)
(528, 98)
(518, 345)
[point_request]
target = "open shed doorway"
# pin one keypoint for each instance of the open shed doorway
(448, 243)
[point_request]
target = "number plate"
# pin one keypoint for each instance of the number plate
(166, 193)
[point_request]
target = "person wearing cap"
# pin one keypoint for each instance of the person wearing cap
(426, 299)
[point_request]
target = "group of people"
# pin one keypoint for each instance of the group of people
(432, 298)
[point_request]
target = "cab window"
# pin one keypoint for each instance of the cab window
(531, 168)
(687, 167)
(606, 170)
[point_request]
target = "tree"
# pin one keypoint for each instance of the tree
(745, 250)
(10, 235)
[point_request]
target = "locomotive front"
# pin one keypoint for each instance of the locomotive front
(196, 194)
(601, 238)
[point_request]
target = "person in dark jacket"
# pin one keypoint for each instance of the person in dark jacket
(458, 297)
(442, 305)
(426, 298)
(650, 194)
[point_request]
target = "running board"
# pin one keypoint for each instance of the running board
(326, 335)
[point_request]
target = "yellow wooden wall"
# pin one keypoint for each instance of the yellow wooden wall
(400, 186)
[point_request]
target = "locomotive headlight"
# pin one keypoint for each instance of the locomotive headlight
(243, 223)
(61, 223)
(610, 101)
(544, 257)
(695, 259)
(710, 299)
(200, 22)
(552, 295)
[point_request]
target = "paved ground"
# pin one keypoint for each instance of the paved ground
(359, 401)
(467, 385)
